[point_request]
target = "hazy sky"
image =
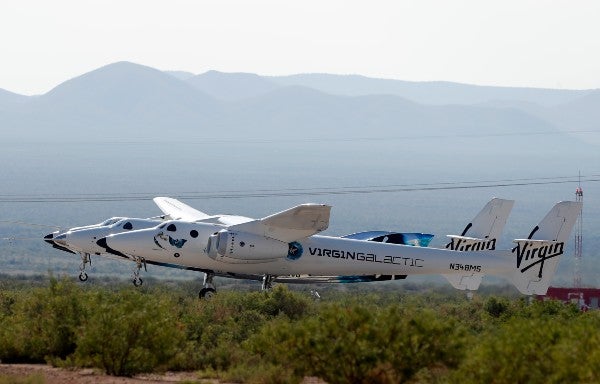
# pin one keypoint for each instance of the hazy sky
(545, 43)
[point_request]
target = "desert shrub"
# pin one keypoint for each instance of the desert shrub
(42, 323)
(128, 332)
(577, 356)
(282, 335)
(521, 350)
(361, 344)
(496, 306)
(549, 309)
(216, 328)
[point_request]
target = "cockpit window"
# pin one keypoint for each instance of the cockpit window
(128, 225)
(172, 228)
(110, 221)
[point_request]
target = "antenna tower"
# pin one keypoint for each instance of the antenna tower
(578, 237)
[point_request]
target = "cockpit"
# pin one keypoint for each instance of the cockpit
(119, 222)
(125, 224)
(110, 221)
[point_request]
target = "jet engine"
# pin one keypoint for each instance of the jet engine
(242, 247)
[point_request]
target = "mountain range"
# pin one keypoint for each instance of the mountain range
(131, 100)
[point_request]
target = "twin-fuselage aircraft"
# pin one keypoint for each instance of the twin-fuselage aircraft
(285, 247)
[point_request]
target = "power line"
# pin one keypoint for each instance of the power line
(290, 192)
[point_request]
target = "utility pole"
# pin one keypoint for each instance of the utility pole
(578, 237)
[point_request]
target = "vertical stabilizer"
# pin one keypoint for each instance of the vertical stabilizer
(536, 257)
(481, 233)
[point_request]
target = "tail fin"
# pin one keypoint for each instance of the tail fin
(481, 233)
(536, 257)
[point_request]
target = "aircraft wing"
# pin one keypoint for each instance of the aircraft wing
(293, 224)
(178, 210)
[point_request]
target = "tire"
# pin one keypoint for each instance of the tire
(83, 276)
(207, 293)
(138, 282)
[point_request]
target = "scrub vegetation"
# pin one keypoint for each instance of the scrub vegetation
(384, 334)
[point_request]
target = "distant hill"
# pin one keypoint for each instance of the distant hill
(7, 97)
(118, 98)
(583, 112)
(300, 110)
(181, 75)
(433, 92)
(232, 86)
(131, 100)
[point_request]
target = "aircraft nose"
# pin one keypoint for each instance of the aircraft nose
(48, 238)
(60, 244)
(61, 239)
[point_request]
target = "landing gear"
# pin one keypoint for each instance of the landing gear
(267, 283)
(207, 293)
(85, 260)
(208, 288)
(139, 262)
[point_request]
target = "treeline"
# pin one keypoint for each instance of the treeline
(283, 335)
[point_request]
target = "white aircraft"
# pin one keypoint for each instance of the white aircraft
(82, 240)
(286, 244)
(488, 225)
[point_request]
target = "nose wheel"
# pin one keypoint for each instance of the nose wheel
(85, 260)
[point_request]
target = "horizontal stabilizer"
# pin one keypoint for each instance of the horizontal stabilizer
(465, 282)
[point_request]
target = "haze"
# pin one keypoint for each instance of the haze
(506, 43)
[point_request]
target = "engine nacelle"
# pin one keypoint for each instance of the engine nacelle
(236, 247)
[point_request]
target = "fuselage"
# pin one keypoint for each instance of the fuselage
(83, 239)
(186, 244)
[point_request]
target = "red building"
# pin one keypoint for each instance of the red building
(585, 298)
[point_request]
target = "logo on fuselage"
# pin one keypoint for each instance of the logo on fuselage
(178, 243)
(295, 251)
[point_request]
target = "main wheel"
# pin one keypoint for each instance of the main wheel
(83, 276)
(207, 293)
(138, 281)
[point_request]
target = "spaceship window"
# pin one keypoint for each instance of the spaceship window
(172, 228)
(194, 233)
(110, 221)
(128, 225)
